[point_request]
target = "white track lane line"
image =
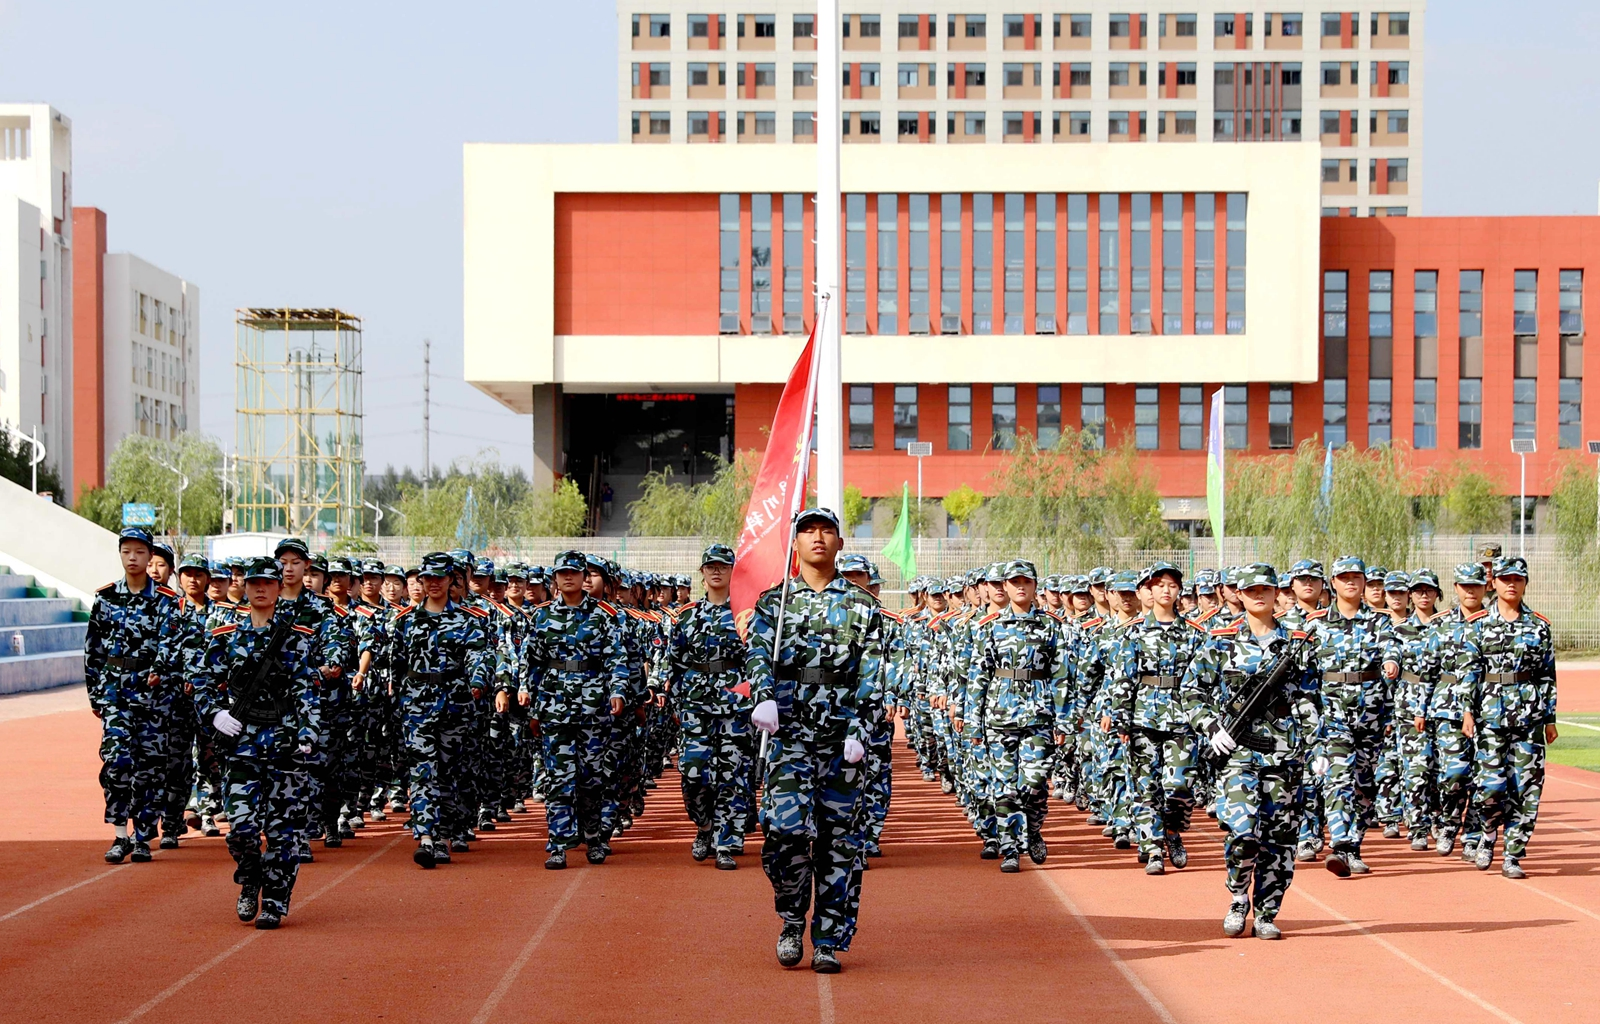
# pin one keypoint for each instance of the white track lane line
(510, 976)
(1155, 1004)
(183, 982)
(824, 999)
(60, 892)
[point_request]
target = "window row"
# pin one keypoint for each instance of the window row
(984, 264)
(1468, 375)
(1131, 31)
(1037, 410)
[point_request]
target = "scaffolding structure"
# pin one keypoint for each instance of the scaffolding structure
(300, 463)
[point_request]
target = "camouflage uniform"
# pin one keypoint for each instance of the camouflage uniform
(263, 774)
(180, 659)
(704, 667)
(1513, 702)
(573, 665)
(1260, 787)
(827, 668)
(1453, 663)
(1145, 674)
(1019, 665)
(438, 659)
(120, 650)
(1350, 653)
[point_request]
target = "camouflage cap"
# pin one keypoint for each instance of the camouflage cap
(1124, 582)
(817, 514)
(1051, 584)
(1228, 576)
(413, 572)
(995, 572)
(1307, 567)
(598, 564)
(717, 554)
(1376, 573)
(195, 561)
(1396, 581)
(339, 567)
(1472, 573)
(483, 567)
(934, 586)
(436, 563)
(1511, 565)
(1425, 578)
(396, 570)
(1205, 582)
(461, 557)
(1489, 552)
(294, 545)
(575, 561)
(137, 533)
(1155, 569)
(372, 567)
(874, 577)
(854, 563)
(970, 578)
(264, 569)
(319, 562)
(502, 575)
(1078, 584)
(1099, 576)
(1256, 574)
(538, 574)
(161, 548)
(221, 567)
(1347, 563)
(1021, 568)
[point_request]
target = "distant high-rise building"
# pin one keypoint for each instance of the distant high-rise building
(954, 72)
(136, 348)
(36, 364)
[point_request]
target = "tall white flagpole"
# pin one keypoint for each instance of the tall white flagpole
(830, 390)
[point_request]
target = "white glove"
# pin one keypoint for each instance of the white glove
(765, 716)
(304, 749)
(1221, 743)
(226, 724)
(1319, 766)
(853, 750)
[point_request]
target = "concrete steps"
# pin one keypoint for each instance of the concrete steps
(50, 631)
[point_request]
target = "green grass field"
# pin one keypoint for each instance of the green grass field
(1578, 746)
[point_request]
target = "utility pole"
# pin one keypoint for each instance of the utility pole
(427, 465)
(830, 391)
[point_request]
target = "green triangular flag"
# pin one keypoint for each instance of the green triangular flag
(899, 549)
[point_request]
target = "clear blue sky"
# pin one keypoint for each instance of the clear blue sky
(310, 154)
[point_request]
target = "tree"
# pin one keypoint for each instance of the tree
(1045, 499)
(1468, 501)
(1132, 501)
(16, 465)
(961, 505)
(140, 471)
(561, 513)
(857, 508)
(712, 510)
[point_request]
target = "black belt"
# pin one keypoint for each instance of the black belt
(1022, 675)
(1349, 677)
(434, 677)
(815, 676)
(716, 665)
(1161, 682)
(125, 664)
(573, 665)
(1508, 678)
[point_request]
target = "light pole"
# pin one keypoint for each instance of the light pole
(37, 455)
(1522, 447)
(829, 387)
(377, 523)
(919, 450)
(183, 485)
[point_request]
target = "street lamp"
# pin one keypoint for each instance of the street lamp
(1522, 447)
(919, 450)
(183, 485)
(377, 523)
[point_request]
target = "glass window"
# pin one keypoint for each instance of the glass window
(950, 263)
(1048, 415)
(1424, 413)
(1205, 263)
(1469, 408)
(1014, 263)
(1571, 297)
(1044, 318)
(855, 263)
(1077, 264)
(1237, 203)
(1236, 416)
(983, 263)
(917, 236)
(1110, 262)
(1093, 415)
(861, 416)
(1380, 410)
(1570, 418)
(1191, 417)
(1147, 417)
(959, 438)
(1280, 416)
(888, 212)
(1333, 412)
(905, 415)
(761, 264)
(793, 263)
(1471, 303)
(805, 26)
(1525, 302)
(805, 124)
(1524, 407)
(728, 207)
(1003, 415)
(1139, 260)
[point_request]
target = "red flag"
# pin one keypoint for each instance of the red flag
(780, 485)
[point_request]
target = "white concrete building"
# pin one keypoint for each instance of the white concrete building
(152, 350)
(36, 369)
(1165, 72)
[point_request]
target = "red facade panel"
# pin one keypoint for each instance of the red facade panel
(88, 351)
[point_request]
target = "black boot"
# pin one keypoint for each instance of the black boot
(249, 902)
(118, 852)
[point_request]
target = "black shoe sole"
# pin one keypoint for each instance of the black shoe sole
(551, 865)
(1337, 866)
(140, 858)
(423, 857)
(728, 865)
(266, 923)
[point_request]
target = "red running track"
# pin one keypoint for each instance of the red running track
(654, 936)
